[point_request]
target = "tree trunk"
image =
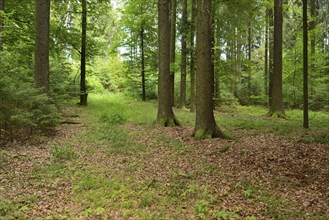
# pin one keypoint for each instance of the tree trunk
(205, 124)
(172, 48)
(305, 64)
(182, 101)
(83, 90)
(276, 107)
(217, 60)
(143, 63)
(249, 58)
(41, 67)
(165, 116)
(192, 54)
(271, 54)
(2, 8)
(266, 53)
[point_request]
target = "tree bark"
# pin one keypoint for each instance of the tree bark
(205, 124)
(165, 115)
(182, 101)
(2, 8)
(172, 29)
(305, 64)
(266, 52)
(143, 63)
(42, 45)
(271, 54)
(192, 55)
(83, 90)
(276, 107)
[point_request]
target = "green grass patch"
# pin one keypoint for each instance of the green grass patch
(50, 171)
(61, 154)
(15, 209)
(168, 142)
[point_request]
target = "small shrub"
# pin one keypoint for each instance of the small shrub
(62, 154)
(113, 118)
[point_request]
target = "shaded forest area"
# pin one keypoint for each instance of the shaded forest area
(168, 109)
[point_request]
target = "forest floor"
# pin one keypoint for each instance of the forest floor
(113, 163)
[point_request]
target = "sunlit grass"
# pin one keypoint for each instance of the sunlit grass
(251, 118)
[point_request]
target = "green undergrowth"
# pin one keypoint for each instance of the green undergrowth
(118, 109)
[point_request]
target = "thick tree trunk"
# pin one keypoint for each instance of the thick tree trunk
(217, 60)
(182, 101)
(305, 64)
(83, 90)
(192, 55)
(143, 64)
(172, 48)
(205, 124)
(165, 116)
(42, 8)
(276, 107)
(2, 9)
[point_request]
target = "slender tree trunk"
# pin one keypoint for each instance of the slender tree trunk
(165, 116)
(305, 64)
(83, 90)
(192, 51)
(266, 53)
(205, 124)
(182, 102)
(249, 57)
(271, 54)
(143, 64)
(42, 44)
(173, 48)
(276, 107)
(2, 8)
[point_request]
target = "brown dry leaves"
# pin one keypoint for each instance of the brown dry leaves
(285, 168)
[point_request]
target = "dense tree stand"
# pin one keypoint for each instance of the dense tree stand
(165, 115)
(205, 124)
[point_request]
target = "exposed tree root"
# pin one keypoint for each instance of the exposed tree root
(203, 133)
(168, 122)
(277, 114)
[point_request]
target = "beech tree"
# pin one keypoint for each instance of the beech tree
(83, 90)
(182, 100)
(173, 9)
(276, 104)
(42, 8)
(205, 124)
(192, 55)
(165, 114)
(305, 64)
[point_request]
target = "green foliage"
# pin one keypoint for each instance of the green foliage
(114, 118)
(62, 154)
(21, 105)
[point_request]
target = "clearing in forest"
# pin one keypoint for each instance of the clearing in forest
(114, 163)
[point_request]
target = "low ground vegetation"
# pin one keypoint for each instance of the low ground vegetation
(115, 163)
